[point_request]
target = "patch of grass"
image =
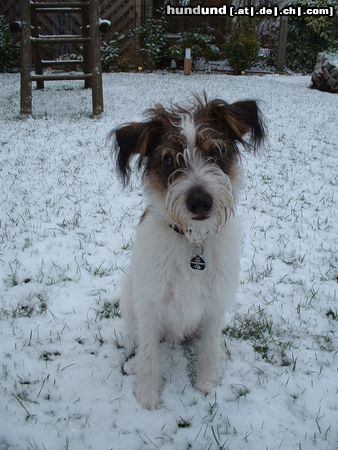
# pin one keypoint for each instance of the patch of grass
(100, 271)
(13, 279)
(109, 310)
(250, 328)
(26, 310)
(325, 342)
(258, 330)
(36, 303)
(49, 356)
(266, 340)
(332, 314)
(72, 223)
(183, 423)
(263, 350)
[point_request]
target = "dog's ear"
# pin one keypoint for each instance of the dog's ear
(137, 138)
(238, 119)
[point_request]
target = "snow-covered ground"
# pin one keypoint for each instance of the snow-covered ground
(66, 233)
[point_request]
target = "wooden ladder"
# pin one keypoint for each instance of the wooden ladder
(31, 41)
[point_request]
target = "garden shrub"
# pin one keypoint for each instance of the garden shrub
(110, 52)
(201, 42)
(153, 41)
(9, 48)
(241, 49)
(307, 36)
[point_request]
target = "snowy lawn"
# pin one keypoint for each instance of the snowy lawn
(66, 233)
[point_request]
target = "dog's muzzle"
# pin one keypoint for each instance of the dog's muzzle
(199, 203)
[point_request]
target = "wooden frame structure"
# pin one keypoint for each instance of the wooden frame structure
(31, 42)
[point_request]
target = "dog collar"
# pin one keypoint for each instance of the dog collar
(197, 262)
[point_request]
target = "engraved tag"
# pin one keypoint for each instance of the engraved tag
(197, 263)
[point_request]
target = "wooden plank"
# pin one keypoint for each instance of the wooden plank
(59, 39)
(61, 62)
(282, 41)
(59, 4)
(26, 60)
(36, 53)
(61, 76)
(86, 47)
(56, 10)
(95, 57)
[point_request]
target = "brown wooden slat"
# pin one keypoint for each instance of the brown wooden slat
(61, 76)
(126, 24)
(121, 14)
(61, 62)
(56, 10)
(58, 39)
(59, 4)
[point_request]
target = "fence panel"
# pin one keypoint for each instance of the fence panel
(123, 14)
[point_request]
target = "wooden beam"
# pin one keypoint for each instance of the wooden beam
(282, 41)
(26, 60)
(56, 10)
(61, 76)
(59, 5)
(59, 38)
(61, 62)
(36, 53)
(95, 57)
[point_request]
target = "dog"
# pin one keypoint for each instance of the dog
(185, 261)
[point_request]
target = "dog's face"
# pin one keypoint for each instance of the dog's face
(190, 160)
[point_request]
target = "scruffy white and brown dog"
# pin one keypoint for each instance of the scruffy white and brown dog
(185, 261)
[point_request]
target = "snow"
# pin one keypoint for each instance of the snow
(66, 233)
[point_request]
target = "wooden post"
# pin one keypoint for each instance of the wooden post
(36, 51)
(282, 41)
(26, 60)
(187, 62)
(86, 47)
(95, 58)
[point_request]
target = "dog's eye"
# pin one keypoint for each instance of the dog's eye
(215, 153)
(167, 161)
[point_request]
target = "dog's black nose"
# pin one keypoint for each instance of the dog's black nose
(199, 202)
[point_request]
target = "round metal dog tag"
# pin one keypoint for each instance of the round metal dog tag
(197, 263)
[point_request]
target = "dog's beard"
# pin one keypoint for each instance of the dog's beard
(199, 172)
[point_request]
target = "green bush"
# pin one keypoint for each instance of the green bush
(201, 42)
(153, 41)
(9, 49)
(110, 52)
(241, 50)
(307, 36)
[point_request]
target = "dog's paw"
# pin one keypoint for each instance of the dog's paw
(204, 387)
(148, 398)
(207, 385)
(129, 367)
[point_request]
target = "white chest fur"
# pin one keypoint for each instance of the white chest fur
(164, 287)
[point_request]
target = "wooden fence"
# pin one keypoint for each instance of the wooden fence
(127, 14)
(123, 14)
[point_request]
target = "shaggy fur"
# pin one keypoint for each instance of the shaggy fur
(190, 161)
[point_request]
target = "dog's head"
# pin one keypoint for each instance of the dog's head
(190, 160)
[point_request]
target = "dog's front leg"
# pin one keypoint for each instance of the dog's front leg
(208, 358)
(148, 364)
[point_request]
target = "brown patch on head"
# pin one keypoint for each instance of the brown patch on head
(217, 148)
(163, 164)
(236, 120)
(159, 140)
